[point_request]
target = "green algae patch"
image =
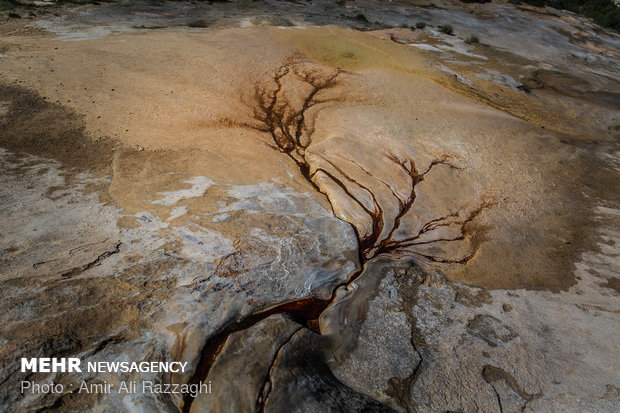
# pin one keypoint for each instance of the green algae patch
(351, 49)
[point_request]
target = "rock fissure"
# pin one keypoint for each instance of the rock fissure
(265, 389)
(497, 396)
(493, 375)
(304, 312)
(78, 270)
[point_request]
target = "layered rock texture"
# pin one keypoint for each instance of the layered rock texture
(317, 206)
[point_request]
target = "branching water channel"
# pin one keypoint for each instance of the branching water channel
(289, 129)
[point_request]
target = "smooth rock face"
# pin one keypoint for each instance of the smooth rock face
(244, 364)
(300, 374)
(383, 344)
(315, 208)
(473, 349)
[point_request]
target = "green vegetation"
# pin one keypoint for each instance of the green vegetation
(199, 23)
(420, 25)
(447, 29)
(430, 6)
(78, 2)
(360, 17)
(149, 27)
(472, 40)
(7, 5)
(603, 12)
(17, 4)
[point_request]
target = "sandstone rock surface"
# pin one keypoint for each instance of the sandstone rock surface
(315, 206)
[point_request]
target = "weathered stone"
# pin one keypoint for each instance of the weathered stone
(206, 193)
(243, 366)
(301, 374)
(370, 335)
